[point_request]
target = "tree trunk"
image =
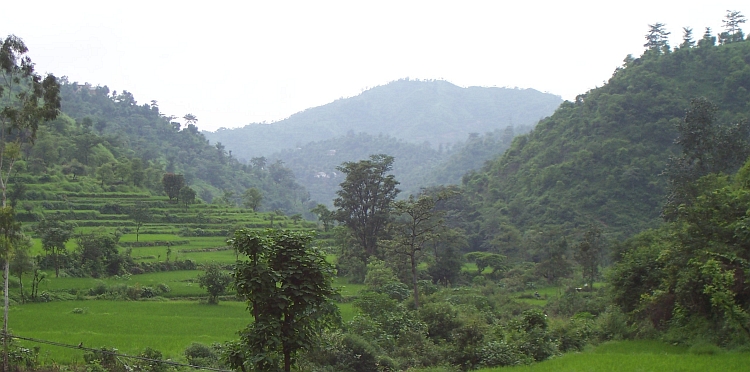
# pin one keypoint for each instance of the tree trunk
(414, 279)
(6, 271)
(20, 285)
(57, 266)
(287, 360)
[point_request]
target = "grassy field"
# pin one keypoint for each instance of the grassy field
(637, 356)
(168, 326)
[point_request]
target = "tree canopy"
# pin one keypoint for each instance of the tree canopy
(288, 287)
(364, 199)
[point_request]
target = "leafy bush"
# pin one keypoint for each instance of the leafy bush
(23, 358)
(575, 334)
(396, 290)
(148, 292)
(538, 344)
(104, 359)
(152, 365)
(501, 354)
(198, 354)
(99, 289)
(612, 324)
(163, 288)
(441, 319)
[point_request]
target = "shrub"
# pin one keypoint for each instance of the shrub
(99, 288)
(148, 292)
(574, 335)
(396, 290)
(23, 358)
(163, 288)
(441, 319)
(538, 344)
(103, 359)
(501, 354)
(612, 324)
(152, 365)
(198, 354)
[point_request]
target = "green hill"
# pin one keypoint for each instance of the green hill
(127, 146)
(599, 159)
(437, 112)
(415, 166)
(314, 164)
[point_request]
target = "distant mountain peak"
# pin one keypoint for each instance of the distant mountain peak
(417, 111)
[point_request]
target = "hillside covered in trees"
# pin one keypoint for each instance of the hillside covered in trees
(416, 165)
(436, 112)
(598, 160)
(128, 146)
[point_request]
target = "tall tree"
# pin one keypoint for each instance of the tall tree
(416, 223)
(708, 39)
(98, 253)
(172, 184)
(140, 213)
(657, 38)
(187, 195)
(55, 231)
(365, 198)
(687, 38)
(215, 281)
(554, 264)
(589, 253)
(325, 215)
(11, 231)
(190, 119)
(22, 262)
(289, 290)
(258, 163)
(707, 147)
(732, 23)
(251, 198)
(26, 100)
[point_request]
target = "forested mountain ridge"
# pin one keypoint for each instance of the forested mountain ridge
(315, 164)
(437, 112)
(415, 166)
(123, 144)
(598, 160)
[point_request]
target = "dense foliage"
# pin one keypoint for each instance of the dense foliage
(598, 159)
(505, 270)
(128, 146)
(289, 291)
(415, 165)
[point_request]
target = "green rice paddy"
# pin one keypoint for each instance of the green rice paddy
(168, 326)
(637, 356)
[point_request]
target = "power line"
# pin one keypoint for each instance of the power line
(116, 354)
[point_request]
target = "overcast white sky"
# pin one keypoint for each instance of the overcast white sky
(231, 63)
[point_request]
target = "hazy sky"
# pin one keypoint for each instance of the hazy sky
(231, 63)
